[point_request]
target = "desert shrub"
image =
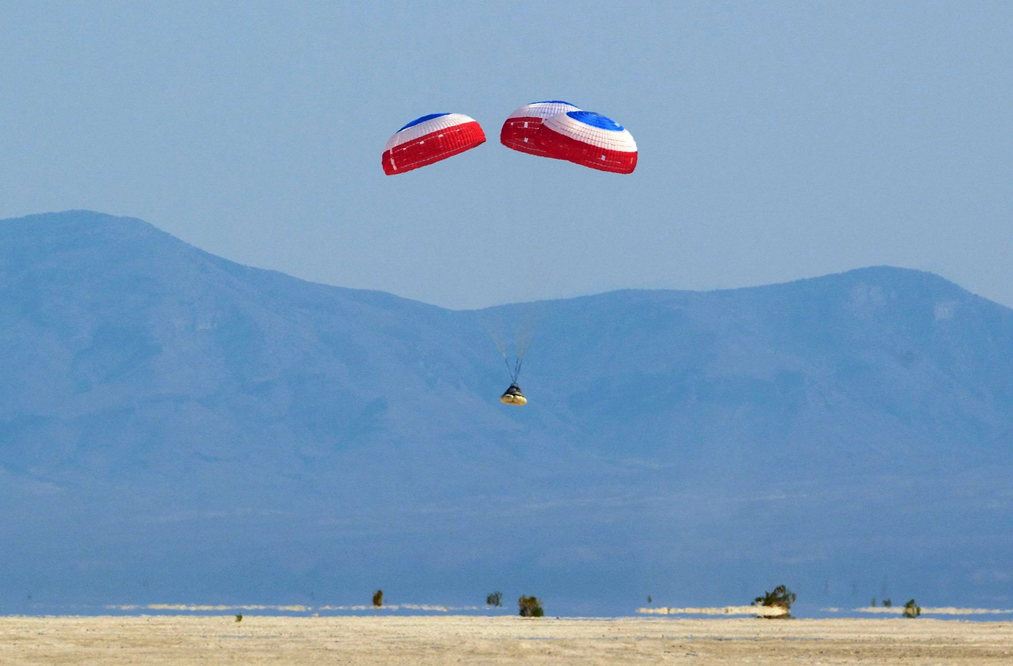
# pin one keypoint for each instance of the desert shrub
(530, 607)
(873, 603)
(887, 603)
(378, 598)
(494, 599)
(781, 597)
(239, 617)
(912, 610)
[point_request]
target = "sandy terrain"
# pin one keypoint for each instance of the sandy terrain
(501, 640)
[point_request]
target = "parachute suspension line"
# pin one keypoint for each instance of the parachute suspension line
(496, 339)
(522, 334)
(523, 342)
(515, 370)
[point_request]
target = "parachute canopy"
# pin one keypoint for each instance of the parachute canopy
(520, 128)
(589, 139)
(430, 139)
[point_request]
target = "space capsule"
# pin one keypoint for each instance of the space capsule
(513, 396)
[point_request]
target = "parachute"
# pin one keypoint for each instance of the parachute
(550, 128)
(589, 139)
(430, 139)
(521, 127)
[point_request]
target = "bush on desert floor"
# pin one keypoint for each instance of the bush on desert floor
(494, 599)
(781, 597)
(378, 598)
(239, 617)
(530, 607)
(887, 603)
(912, 610)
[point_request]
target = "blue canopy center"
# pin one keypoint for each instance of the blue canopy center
(596, 120)
(422, 120)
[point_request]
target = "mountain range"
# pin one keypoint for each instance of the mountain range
(175, 427)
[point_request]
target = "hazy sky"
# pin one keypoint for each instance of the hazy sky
(777, 140)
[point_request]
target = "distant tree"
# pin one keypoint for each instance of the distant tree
(494, 599)
(873, 604)
(649, 598)
(887, 603)
(781, 597)
(530, 607)
(912, 610)
(378, 598)
(239, 617)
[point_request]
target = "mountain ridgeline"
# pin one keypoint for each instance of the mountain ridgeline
(175, 427)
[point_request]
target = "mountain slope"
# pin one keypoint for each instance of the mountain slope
(176, 426)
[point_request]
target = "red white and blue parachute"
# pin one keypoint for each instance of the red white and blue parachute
(430, 139)
(589, 139)
(520, 128)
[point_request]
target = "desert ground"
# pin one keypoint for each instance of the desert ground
(178, 640)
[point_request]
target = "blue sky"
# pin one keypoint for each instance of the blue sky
(777, 140)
